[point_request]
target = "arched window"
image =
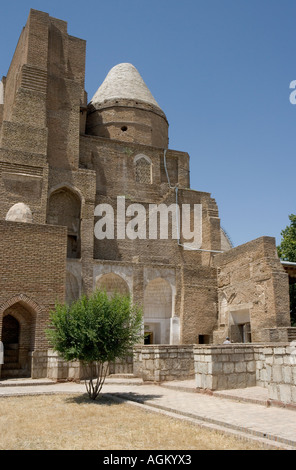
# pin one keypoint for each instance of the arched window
(112, 283)
(143, 169)
(64, 208)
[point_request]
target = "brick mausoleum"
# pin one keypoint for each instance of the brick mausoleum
(61, 155)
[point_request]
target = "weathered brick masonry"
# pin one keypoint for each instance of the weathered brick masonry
(62, 155)
(33, 273)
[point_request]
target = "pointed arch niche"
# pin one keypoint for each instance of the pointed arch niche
(158, 308)
(64, 208)
(18, 336)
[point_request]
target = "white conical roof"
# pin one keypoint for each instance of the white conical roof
(124, 82)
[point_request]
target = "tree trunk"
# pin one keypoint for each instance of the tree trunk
(97, 372)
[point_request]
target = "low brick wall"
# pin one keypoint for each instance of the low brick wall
(244, 365)
(281, 373)
(122, 366)
(159, 363)
(39, 360)
(59, 369)
(48, 364)
(224, 367)
(215, 367)
(261, 369)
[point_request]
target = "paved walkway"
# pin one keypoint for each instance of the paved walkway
(242, 412)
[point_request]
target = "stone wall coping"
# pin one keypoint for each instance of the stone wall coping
(162, 347)
(240, 345)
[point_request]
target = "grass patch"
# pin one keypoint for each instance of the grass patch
(70, 422)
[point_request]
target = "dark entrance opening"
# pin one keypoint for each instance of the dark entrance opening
(10, 340)
(204, 339)
(148, 337)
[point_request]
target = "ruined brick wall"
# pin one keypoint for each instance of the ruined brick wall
(44, 90)
(43, 96)
(199, 313)
(24, 117)
(65, 95)
(253, 288)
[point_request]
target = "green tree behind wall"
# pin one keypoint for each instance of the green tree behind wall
(287, 252)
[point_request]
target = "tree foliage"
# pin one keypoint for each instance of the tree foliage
(287, 247)
(287, 252)
(95, 330)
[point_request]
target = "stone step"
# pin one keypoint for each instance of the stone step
(121, 376)
(10, 353)
(24, 381)
(291, 334)
(11, 365)
(10, 360)
(11, 373)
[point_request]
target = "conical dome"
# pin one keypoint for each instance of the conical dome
(124, 109)
(124, 82)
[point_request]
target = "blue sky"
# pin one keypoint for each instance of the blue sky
(220, 70)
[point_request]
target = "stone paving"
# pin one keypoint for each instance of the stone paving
(243, 412)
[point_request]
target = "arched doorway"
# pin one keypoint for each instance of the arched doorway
(10, 340)
(18, 338)
(157, 312)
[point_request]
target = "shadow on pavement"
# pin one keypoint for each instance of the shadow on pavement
(107, 400)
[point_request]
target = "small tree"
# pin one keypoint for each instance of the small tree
(95, 330)
(287, 252)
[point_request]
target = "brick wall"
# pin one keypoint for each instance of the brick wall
(32, 266)
(252, 288)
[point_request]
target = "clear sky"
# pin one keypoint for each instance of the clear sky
(220, 70)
